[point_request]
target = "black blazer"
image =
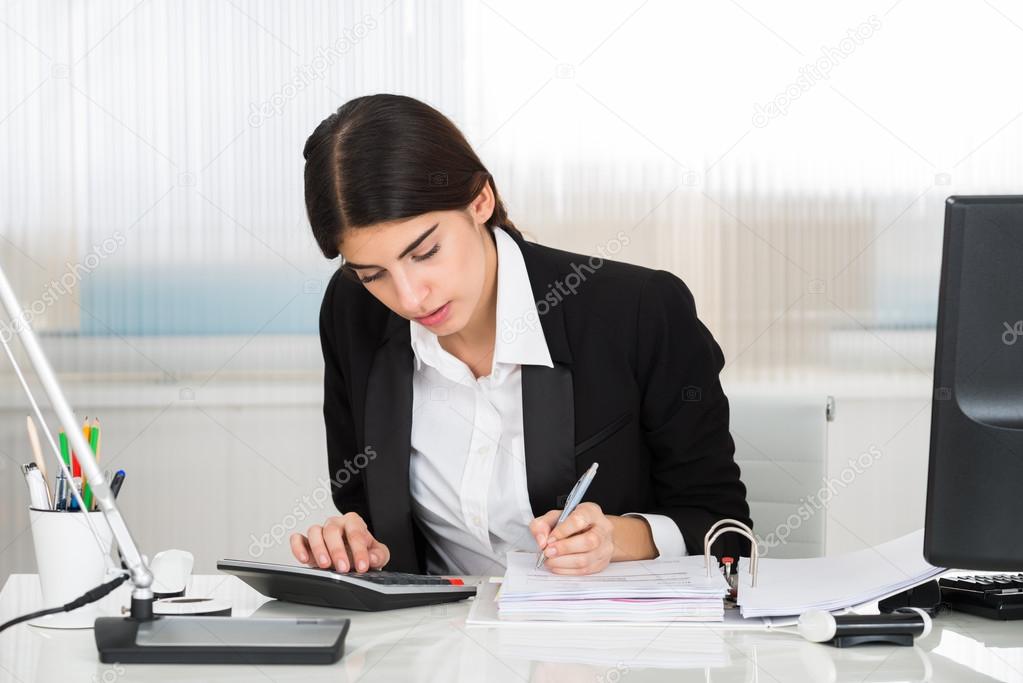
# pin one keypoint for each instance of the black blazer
(634, 387)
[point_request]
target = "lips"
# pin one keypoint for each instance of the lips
(436, 316)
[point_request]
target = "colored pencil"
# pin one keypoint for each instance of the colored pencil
(94, 443)
(86, 491)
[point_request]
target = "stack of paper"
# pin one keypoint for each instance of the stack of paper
(645, 591)
(830, 583)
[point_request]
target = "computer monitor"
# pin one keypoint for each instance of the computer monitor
(974, 515)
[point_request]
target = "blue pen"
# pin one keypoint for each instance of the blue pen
(574, 498)
(115, 484)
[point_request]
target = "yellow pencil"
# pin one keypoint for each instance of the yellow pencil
(94, 442)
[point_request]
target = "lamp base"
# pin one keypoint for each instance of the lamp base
(220, 640)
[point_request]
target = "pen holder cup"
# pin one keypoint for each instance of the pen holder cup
(70, 563)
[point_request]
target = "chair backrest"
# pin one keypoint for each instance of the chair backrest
(781, 445)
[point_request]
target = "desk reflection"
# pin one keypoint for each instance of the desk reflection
(434, 644)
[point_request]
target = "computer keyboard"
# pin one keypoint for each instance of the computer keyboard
(370, 591)
(996, 596)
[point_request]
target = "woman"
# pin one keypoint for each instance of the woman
(471, 376)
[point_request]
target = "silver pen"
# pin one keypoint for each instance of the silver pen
(574, 498)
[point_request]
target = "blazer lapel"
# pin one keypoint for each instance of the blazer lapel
(388, 430)
(548, 424)
(548, 401)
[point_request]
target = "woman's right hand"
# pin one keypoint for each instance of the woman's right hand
(342, 542)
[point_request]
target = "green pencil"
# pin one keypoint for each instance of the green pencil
(94, 444)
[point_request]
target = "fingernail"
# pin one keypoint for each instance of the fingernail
(540, 540)
(303, 558)
(324, 560)
(374, 558)
(362, 566)
(551, 551)
(342, 565)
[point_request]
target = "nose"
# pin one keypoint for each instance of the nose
(411, 293)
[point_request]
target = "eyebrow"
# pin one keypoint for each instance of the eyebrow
(415, 243)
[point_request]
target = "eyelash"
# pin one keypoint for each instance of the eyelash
(376, 276)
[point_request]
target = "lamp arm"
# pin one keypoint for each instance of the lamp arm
(141, 576)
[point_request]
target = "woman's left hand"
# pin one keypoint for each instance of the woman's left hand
(582, 544)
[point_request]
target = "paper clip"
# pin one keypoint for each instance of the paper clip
(731, 525)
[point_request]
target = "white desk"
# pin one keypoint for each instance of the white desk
(434, 644)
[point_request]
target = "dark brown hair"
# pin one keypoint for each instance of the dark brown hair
(384, 157)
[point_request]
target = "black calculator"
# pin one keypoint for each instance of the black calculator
(372, 591)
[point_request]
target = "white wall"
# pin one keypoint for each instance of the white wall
(203, 474)
(885, 499)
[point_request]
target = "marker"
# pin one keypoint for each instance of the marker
(115, 484)
(36, 486)
(823, 627)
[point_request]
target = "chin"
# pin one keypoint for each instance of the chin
(449, 327)
(453, 324)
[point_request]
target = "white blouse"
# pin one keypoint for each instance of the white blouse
(467, 469)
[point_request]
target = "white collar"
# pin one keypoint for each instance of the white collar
(519, 338)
